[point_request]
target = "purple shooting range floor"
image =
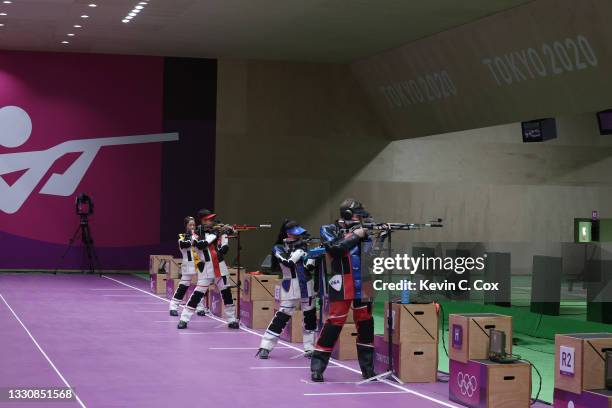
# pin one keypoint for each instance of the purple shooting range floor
(117, 347)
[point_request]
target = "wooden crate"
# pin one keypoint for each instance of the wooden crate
(158, 283)
(216, 304)
(586, 399)
(256, 314)
(258, 287)
(412, 362)
(579, 361)
(160, 264)
(294, 330)
(486, 384)
(413, 323)
(469, 334)
(346, 346)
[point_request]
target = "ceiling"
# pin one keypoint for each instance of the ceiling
(301, 30)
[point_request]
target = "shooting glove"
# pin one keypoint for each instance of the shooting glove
(310, 264)
(297, 255)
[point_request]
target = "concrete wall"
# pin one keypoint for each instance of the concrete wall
(491, 188)
(293, 140)
(288, 136)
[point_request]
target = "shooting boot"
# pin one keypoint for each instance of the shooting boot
(365, 356)
(318, 364)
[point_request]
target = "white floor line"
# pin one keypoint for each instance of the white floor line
(330, 382)
(390, 383)
(177, 320)
(243, 348)
(353, 393)
(131, 296)
(207, 333)
(42, 351)
(151, 311)
(107, 289)
(283, 367)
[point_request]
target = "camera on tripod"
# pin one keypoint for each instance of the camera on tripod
(84, 205)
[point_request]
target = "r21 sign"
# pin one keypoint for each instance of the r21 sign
(566, 361)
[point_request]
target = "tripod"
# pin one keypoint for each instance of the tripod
(389, 374)
(88, 244)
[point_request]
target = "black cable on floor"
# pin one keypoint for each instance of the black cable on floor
(539, 376)
(443, 331)
(443, 379)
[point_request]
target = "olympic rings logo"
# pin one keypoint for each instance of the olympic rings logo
(467, 384)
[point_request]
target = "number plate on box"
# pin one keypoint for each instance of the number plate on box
(566, 360)
(457, 336)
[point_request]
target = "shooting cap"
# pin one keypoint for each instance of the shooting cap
(350, 207)
(205, 215)
(293, 228)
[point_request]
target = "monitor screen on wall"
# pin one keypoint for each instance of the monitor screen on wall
(539, 130)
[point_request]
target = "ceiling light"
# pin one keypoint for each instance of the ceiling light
(70, 34)
(93, 5)
(65, 42)
(77, 26)
(1, 24)
(3, 14)
(134, 12)
(7, 1)
(84, 16)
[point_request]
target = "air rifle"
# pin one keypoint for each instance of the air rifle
(388, 226)
(232, 229)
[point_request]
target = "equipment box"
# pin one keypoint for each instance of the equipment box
(175, 268)
(486, 384)
(258, 287)
(579, 361)
(256, 314)
(158, 284)
(413, 323)
(160, 264)
(469, 334)
(346, 346)
(412, 362)
(216, 304)
(232, 279)
(171, 286)
(587, 399)
(293, 331)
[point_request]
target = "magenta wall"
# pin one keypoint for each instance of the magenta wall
(77, 96)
